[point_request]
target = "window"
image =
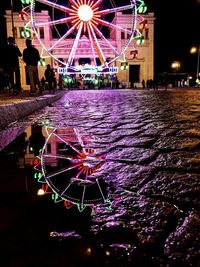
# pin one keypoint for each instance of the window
(41, 32)
(146, 34)
(122, 35)
(48, 148)
(128, 34)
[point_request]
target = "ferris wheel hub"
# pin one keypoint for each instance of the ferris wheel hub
(85, 13)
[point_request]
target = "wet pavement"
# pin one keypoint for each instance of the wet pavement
(14, 107)
(135, 155)
(11, 98)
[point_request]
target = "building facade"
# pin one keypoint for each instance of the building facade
(137, 67)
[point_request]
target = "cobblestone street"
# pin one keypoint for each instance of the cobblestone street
(152, 143)
(151, 140)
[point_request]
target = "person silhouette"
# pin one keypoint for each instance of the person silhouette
(50, 77)
(12, 65)
(143, 83)
(31, 57)
(37, 139)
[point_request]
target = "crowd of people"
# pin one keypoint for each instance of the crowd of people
(10, 76)
(150, 84)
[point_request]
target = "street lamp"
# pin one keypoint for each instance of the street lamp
(194, 50)
(176, 65)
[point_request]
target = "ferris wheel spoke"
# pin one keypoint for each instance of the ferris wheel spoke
(62, 171)
(83, 195)
(74, 47)
(90, 3)
(68, 144)
(115, 9)
(96, 4)
(56, 6)
(109, 24)
(75, 3)
(81, 171)
(63, 37)
(100, 190)
(80, 2)
(58, 157)
(106, 40)
(92, 45)
(79, 139)
(54, 22)
(98, 47)
(66, 188)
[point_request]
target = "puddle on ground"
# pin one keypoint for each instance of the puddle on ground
(65, 201)
(50, 186)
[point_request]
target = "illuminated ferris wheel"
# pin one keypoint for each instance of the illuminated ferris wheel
(92, 22)
(68, 169)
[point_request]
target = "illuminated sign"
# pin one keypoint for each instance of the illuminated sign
(87, 69)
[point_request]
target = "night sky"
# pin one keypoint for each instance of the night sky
(176, 30)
